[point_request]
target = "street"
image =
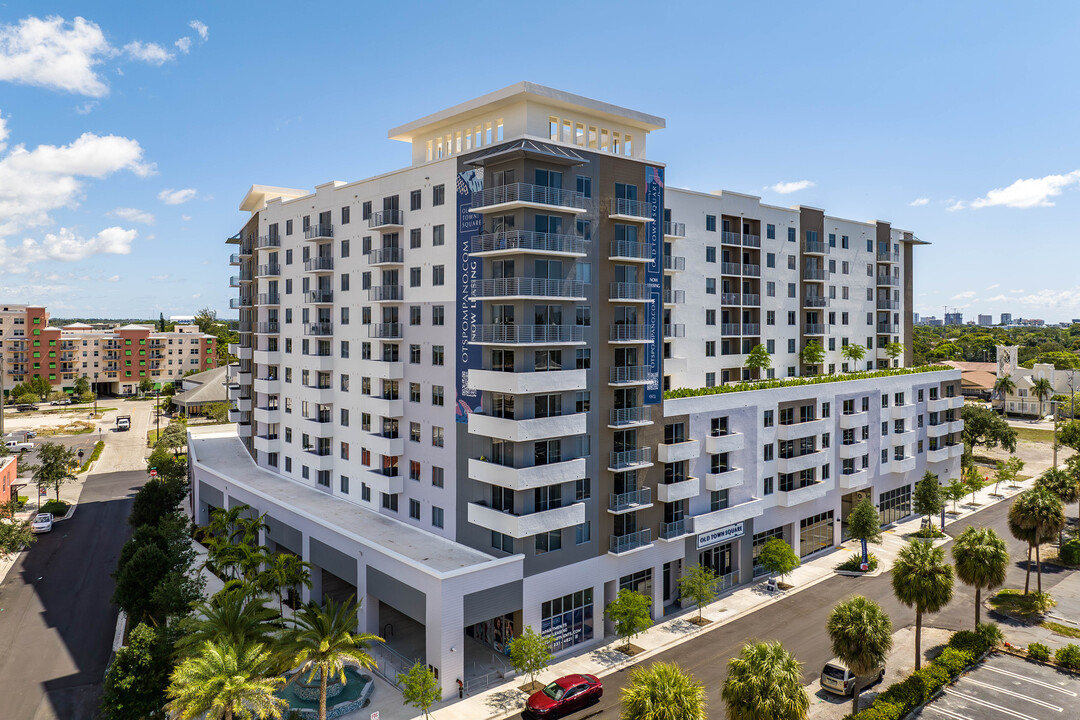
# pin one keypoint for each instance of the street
(56, 621)
(798, 621)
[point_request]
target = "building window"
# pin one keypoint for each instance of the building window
(548, 541)
(414, 200)
(414, 277)
(344, 485)
(815, 533)
(437, 274)
(437, 436)
(414, 509)
(390, 502)
(438, 235)
(438, 315)
(710, 254)
(710, 223)
(437, 355)
(568, 620)
(438, 195)
(437, 476)
(345, 215)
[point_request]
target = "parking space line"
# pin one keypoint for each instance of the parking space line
(984, 703)
(1033, 681)
(1000, 689)
(948, 713)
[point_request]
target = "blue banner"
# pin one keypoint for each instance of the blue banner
(654, 279)
(469, 312)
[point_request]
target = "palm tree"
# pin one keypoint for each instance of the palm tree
(853, 353)
(233, 617)
(662, 691)
(765, 681)
(981, 557)
(1003, 386)
(324, 641)
(861, 635)
(923, 580)
(285, 573)
(1041, 513)
(224, 681)
(1042, 389)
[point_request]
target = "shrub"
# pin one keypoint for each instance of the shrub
(1038, 651)
(954, 661)
(878, 711)
(991, 633)
(58, 508)
(814, 380)
(1068, 657)
(1070, 552)
(854, 562)
(969, 641)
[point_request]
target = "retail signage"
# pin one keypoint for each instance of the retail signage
(713, 537)
(654, 279)
(469, 312)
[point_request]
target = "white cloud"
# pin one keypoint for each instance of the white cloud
(201, 28)
(54, 54)
(35, 182)
(150, 53)
(185, 218)
(1033, 192)
(159, 278)
(966, 295)
(134, 215)
(86, 108)
(1051, 299)
(919, 202)
(1017, 292)
(958, 205)
(65, 246)
(183, 45)
(177, 197)
(997, 298)
(789, 187)
(114, 278)
(992, 287)
(196, 296)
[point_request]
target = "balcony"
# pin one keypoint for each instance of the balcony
(730, 478)
(849, 451)
(319, 264)
(386, 293)
(753, 241)
(888, 328)
(640, 499)
(386, 220)
(729, 268)
(674, 330)
(629, 375)
(956, 450)
(268, 328)
(236, 280)
(937, 429)
(629, 417)
(731, 442)
(730, 238)
(943, 404)
(811, 247)
(854, 479)
(386, 256)
(384, 406)
(524, 383)
(751, 270)
(795, 431)
(888, 257)
(677, 452)
(527, 242)
(940, 454)
(730, 298)
(674, 297)
(676, 491)
(903, 412)
(798, 463)
(321, 329)
(675, 229)
(269, 299)
(527, 478)
(956, 426)
(730, 329)
(888, 304)
(384, 445)
(319, 232)
(627, 251)
(526, 288)
(627, 543)
(234, 259)
(527, 430)
(813, 329)
(751, 300)
(673, 530)
(849, 421)
(319, 297)
(522, 526)
(798, 496)
(622, 333)
(632, 292)
(244, 301)
(384, 331)
(527, 335)
(707, 522)
(674, 263)
(815, 301)
(238, 416)
(630, 459)
(815, 274)
(633, 210)
(750, 329)
(381, 370)
(268, 270)
(525, 195)
(888, 281)
(903, 465)
(323, 417)
(383, 482)
(267, 241)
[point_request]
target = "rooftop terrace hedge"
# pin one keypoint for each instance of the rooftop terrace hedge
(796, 382)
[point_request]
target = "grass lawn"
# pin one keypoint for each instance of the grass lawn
(1066, 630)
(1038, 435)
(57, 508)
(1026, 608)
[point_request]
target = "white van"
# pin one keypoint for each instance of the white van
(837, 678)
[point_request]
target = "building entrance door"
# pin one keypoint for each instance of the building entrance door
(847, 504)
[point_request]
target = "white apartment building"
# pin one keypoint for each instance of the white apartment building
(450, 395)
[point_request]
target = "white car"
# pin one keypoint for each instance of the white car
(16, 446)
(43, 522)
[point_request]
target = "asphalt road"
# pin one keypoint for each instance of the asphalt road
(798, 621)
(56, 622)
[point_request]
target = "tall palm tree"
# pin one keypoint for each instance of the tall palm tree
(765, 681)
(323, 642)
(923, 580)
(662, 691)
(861, 635)
(1024, 534)
(232, 616)
(981, 557)
(1042, 389)
(225, 681)
(1004, 386)
(1041, 512)
(1061, 483)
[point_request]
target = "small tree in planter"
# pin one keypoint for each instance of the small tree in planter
(632, 614)
(954, 492)
(419, 688)
(778, 558)
(927, 499)
(530, 653)
(864, 524)
(973, 482)
(812, 354)
(698, 585)
(1008, 471)
(759, 359)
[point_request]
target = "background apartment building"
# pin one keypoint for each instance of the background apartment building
(114, 360)
(451, 378)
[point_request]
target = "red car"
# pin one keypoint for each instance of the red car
(565, 695)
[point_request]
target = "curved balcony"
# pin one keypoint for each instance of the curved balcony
(387, 256)
(633, 292)
(319, 231)
(528, 335)
(634, 210)
(677, 452)
(854, 479)
(620, 333)
(628, 251)
(528, 242)
(527, 430)
(386, 220)
(386, 293)
(676, 491)
(525, 525)
(795, 431)
(798, 496)
(525, 195)
(525, 288)
(850, 451)
(717, 444)
(527, 478)
(730, 478)
(319, 264)
(629, 417)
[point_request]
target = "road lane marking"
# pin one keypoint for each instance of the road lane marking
(986, 703)
(948, 713)
(1033, 681)
(1055, 708)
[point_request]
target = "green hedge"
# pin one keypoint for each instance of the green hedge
(1068, 657)
(796, 382)
(98, 447)
(1038, 651)
(901, 698)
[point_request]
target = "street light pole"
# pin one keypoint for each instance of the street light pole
(95, 392)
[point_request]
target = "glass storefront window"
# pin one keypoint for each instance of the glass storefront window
(568, 620)
(759, 542)
(815, 533)
(895, 505)
(640, 582)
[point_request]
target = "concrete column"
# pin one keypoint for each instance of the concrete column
(315, 593)
(363, 611)
(658, 592)
(445, 637)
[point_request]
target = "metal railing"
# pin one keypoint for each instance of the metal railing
(730, 238)
(751, 241)
(888, 328)
(322, 328)
(888, 305)
(319, 263)
(751, 329)
(813, 329)
(630, 333)
(629, 291)
(382, 293)
(318, 230)
(240, 302)
(888, 257)
(888, 281)
(628, 374)
(672, 530)
(633, 541)
(730, 329)
(630, 208)
(529, 240)
(730, 298)
(380, 256)
(815, 301)
(621, 502)
(526, 286)
(268, 270)
(674, 262)
(267, 241)
(269, 299)
(527, 334)
(319, 296)
(815, 247)
(385, 330)
(383, 218)
(751, 299)
(629, 458)
(629, 416)
(728, 268)
(389, 663)
(628, 249)
(234, 259)
(675, 229)
(674, 297)
(525, 192)
(674, 330)
(751, 270)
(815, 274)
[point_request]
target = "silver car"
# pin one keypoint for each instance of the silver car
(837, 678)
(42, 523)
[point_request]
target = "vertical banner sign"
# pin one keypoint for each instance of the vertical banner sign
(469, 313)
(654, 279)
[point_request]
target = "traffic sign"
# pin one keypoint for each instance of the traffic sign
(375, 715)
(153, 473)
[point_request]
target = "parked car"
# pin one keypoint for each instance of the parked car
(564, 696)
(16, 446)
(42, 523)
(837, 678)
(25, 408)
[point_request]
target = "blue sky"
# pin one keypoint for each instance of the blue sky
(130, 131)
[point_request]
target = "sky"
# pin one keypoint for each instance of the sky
(130, 131)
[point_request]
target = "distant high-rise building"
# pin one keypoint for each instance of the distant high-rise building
(1006, 318)
(954, 318)
(915, 318)
(986, 319)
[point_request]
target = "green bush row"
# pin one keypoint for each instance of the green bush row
(1038, 651)
(854, 563)
(901, 698)
(1070, 552)
(795, 382)
(1068, 657)
(98, 447)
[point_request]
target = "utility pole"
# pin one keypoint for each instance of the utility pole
(1, 393)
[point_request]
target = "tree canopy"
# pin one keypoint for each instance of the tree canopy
(984, 427)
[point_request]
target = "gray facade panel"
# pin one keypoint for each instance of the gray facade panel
(284, 535)
(404, 599)
(333, 560)
(211, 495)
(493, 602)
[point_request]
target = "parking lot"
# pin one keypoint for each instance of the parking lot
(1008, 687)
